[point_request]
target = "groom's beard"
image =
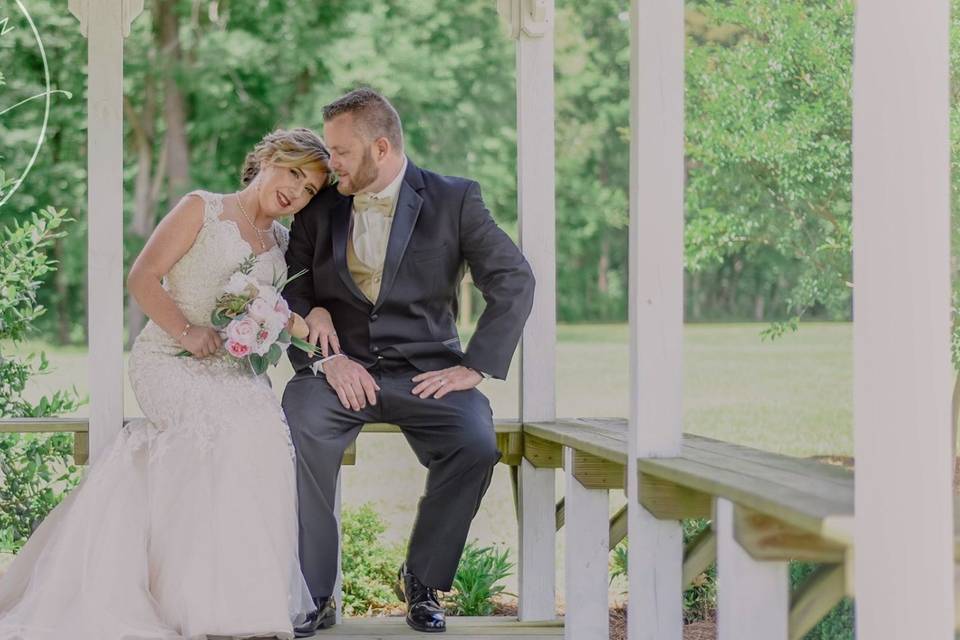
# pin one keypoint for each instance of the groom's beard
(363, 177)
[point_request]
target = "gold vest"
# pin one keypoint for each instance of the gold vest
(368, 279)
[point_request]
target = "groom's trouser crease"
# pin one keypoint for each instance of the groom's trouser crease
(453, 437)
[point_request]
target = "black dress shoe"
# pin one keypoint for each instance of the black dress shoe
(324, 617)
(424, 612)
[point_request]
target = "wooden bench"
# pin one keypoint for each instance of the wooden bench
(767, 509)
(773, 507)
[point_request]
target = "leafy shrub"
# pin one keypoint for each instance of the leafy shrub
(36, 470)
(369, 567)
(475, 585)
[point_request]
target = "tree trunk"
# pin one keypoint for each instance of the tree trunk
(759, 304)
(603, 266)
(174, 105)
(696, 306)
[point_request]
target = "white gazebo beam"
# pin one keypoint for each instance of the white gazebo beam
(105, 23)
(531, 23)
(656, 305)
(904, 563)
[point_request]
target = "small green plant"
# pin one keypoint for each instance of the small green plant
(475, 585)
(36, 470)
(369, 566)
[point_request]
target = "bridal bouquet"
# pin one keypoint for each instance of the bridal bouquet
(255, 321)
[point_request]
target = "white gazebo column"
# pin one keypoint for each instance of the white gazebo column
(656, 305)
(105, 23)
(531, 23)
(904, 562)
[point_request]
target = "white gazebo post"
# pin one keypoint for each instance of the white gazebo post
(531, 23)
(904, 561)
(105, 23)
(656, 305)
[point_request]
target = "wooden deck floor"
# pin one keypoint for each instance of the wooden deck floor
(498, 628)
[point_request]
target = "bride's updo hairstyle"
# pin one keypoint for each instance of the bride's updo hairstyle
(293, 148)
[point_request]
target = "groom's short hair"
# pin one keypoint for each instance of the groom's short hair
(373, 114)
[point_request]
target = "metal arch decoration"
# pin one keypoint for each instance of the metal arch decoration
(130, 9)
(530, 17)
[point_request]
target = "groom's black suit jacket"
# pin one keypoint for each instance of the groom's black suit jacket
(440, 226)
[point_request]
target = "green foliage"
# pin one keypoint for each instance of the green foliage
(35, 469)
(768, 126)
(37, 472)
(23, 266)
(769, 149)
(836, 625)
(475, 585)
(369, 567)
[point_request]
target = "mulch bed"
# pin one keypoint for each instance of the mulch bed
(692, 631)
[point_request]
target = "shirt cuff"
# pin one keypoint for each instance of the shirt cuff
(317, 367)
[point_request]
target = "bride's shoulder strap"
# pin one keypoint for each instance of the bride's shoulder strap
(212, 204)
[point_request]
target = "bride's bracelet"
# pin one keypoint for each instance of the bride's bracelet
(185, 332)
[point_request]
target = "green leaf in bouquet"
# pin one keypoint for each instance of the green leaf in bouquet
(280, 283)
(219, 319)
(303, 345)
(258, 363)
(274, 353)
(247, 265)
(284, 337)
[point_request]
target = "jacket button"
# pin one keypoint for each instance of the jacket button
(374, 317)
(375, 349)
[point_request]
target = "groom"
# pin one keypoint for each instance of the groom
(385, 252)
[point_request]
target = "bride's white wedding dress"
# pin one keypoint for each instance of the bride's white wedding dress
(187, 526)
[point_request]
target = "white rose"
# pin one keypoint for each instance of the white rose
(241, 284)
(260, 310)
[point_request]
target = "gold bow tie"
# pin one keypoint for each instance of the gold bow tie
(370, 202)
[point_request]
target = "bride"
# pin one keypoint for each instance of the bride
(187, 526)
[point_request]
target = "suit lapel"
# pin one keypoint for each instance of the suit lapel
(341, 235)
(404, 221)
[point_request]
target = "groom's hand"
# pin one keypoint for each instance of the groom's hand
(322, 331)
(354, 385)
(437, 384)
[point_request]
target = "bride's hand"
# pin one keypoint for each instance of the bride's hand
(201, 341)
(322, 331)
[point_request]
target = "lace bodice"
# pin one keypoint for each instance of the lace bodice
(198, 278)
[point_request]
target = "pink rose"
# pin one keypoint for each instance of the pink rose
(237, 349)
(243, 331)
